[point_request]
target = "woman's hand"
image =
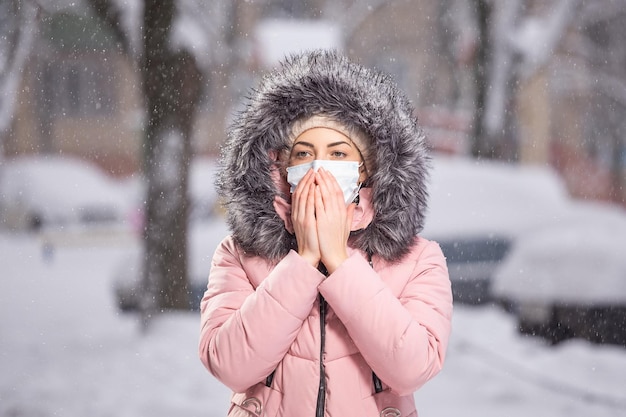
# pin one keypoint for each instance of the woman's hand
(303, 219)
(334, 220)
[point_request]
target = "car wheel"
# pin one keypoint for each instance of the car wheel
(556, 332)
(547, 326)
(605, 325)
(531, 328)
(532, 318)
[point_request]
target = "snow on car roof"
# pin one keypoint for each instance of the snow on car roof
(60, 190)
(580, 257)
(469, 197)
(61, 181)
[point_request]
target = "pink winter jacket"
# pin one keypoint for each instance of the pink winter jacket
(260, 319)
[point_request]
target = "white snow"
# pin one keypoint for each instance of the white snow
(59, 189)
(579, 258)
(66, 351)
(276, 38)
(471, 197)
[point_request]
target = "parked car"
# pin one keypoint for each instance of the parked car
(38, 192)
(568, 279)
(476, 211)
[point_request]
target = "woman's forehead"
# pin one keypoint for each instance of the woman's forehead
(322, 136)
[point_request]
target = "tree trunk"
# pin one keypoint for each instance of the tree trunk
(171, 84)
(533, 113)
(480, 143)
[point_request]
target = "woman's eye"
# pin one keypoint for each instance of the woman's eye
(339, 154)
(300, 155)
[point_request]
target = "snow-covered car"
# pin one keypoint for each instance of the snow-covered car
(568, 279)
(476, 211)
(50, 191)
(203, 239)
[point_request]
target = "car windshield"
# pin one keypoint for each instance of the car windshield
(475, 250)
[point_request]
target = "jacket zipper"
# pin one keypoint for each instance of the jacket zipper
(321, 394)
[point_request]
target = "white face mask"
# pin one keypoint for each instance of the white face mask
(345, 172)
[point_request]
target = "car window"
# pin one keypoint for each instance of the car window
(475, 249)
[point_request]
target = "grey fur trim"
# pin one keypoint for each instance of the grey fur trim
(325, 82)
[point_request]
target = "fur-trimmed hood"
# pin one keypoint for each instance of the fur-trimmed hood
(325, 83)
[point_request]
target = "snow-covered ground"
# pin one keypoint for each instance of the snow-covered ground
(66, 351)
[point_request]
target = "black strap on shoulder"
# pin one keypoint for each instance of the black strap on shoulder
(378, 385)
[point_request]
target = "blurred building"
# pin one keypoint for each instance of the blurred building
(81, 96)
(568, 108)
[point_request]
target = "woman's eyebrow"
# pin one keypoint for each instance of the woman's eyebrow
(342, 142)
(310, 145)
(303, 143)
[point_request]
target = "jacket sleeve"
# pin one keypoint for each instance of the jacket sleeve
(403, 338)
(245, 332)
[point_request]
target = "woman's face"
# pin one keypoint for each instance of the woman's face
(325, 144)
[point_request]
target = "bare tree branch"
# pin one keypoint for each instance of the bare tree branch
(112, 16)
(19, 34)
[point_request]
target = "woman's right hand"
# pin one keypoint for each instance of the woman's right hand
(303, 219)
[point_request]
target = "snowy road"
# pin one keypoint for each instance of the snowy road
(66, 351)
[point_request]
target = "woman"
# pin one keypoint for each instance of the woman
(324, 301)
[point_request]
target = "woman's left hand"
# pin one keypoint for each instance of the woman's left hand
(334, 220)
